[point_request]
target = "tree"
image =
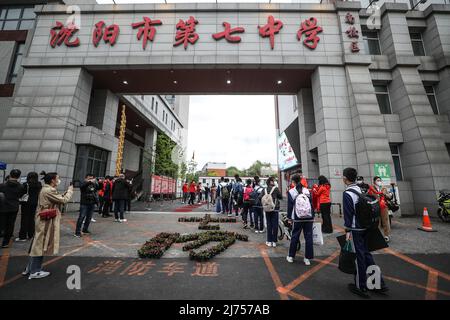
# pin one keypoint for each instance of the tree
(164, 165)
(232, 171)
(255, 168)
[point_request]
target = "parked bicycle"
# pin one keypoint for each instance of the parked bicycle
(444, 205)
(285, 229)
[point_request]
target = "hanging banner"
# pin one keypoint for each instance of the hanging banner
(286, 155)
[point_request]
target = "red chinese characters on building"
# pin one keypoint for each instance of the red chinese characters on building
(272, 27)
(227, 33)
(108, 34)
(186, 32)
(146, 29)
(352, 32)
(310, 29)
(60, 34)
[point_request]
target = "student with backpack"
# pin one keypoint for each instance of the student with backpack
(247, 203)
(257, 207)
(271, 205)
(301, 216)
(237, 192)
(361, 213)
(224, 194)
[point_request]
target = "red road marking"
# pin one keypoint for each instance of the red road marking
(273, 273)
(432, 285)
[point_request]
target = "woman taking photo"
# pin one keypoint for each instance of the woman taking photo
(47, 219)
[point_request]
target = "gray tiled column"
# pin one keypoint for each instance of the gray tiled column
(148, 161)
(334, 131)
(307, 127)
(425, 160)
(40, 132)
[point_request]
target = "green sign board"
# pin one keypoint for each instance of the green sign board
(383, 170)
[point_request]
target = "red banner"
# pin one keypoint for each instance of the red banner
(163, 185)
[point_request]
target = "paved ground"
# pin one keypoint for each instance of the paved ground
(416, 266)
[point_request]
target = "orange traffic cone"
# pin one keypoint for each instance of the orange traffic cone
(426, 224)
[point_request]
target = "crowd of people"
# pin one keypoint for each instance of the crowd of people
(253, 202)
(258, 206)
(40, 206)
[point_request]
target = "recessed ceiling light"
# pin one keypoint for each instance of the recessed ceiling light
(175, 81)
(279, 82)
(125, 82)
(228, 81)
(137, 126)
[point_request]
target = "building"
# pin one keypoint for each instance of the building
(75, 135)
(215, 169)
(371, 85)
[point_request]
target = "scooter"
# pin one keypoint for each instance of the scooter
(444, 205)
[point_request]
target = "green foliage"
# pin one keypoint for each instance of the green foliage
(232, 171)
(164, 165)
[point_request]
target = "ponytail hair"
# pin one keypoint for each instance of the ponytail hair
(48, 177)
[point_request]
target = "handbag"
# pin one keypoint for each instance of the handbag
(48, 214)
(347, 259)
(25, 197)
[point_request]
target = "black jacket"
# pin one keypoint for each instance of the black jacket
(88, 193)
(13, 191)
(33, 192)
(121, 190)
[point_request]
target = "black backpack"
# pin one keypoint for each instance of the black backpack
(367, 210)
(255, 199)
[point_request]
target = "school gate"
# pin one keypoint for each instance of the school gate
(313, 51)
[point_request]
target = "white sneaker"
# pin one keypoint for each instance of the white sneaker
(123, 220)
(26, 272)
(39, 275)
(256, 231)
(269, 244)
(93, 220)
(20, 240)
(274, 244)
(117, 220)
(307, 262)
(290, 259)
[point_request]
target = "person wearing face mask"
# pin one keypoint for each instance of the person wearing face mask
(47, 226)
(362, 185)
(383, 195)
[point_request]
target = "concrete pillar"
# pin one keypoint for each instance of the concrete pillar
(334, 132)
(307, 127)
(40, 132)
(148, 159)
(425, 160)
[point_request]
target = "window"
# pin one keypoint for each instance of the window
(432, 98)
(448, 148)
(382, 93)
(397, 163)
(417, 43)
(371, 42)
(16, 66)
(17, 18)
(153, 103)
(156, 107)
(204, 181)
(164, 115)
(90, 159)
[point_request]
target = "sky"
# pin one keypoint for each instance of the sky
(234, 129)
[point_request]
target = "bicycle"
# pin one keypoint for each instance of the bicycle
(285, 229)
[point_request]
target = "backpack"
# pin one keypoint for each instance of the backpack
(247, 192)
(267, 201)
(254, 197)
(367, 209)
(225, 192)
(302, 206)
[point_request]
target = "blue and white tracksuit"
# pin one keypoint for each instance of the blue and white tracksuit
(364, 258)
(300, 224)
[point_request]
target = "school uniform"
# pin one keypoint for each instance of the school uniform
(300, 224)
(364, 258)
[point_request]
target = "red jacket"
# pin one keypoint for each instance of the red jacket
(379, 195)
(323, 193)
(192, 188)
(185, 188)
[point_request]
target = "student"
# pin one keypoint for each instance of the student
(362, 185)
(199, 192)
(258, 215)
(47, 231)
(207, 192)
(237, 195)
(33, 188)
(247, 205)
(192, 191)
(224, 194)
(185, 189)
(213, 193)
(301, 217)
(107, 196)
(120, 194)
(357, 235)
(383, 195)
(12, 191)
(272, 216)
(323, 195)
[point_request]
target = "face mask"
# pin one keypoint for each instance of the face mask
(379, 183)
(58, 182)
(359, 182)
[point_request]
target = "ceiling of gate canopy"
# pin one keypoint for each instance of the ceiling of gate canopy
(206, 1)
